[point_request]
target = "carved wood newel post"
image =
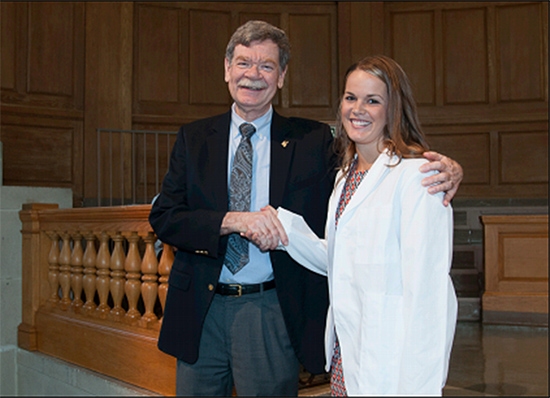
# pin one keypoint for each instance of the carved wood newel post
(149, 287)
(165, 265)
(117, 276)
(89, 279)
(77, 271)
(53, 274)
(102, 264)
(132, 286)
(65, 271)
(35, 246)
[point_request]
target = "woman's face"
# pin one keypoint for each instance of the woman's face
(364, 108)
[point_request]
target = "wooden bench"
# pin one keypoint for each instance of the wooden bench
(516, 270)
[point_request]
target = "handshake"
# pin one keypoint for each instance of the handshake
(263, 228)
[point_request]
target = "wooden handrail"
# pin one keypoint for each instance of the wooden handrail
(94, 291)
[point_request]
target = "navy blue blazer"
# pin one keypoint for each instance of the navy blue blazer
(189, 212)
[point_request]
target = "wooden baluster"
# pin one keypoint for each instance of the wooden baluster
(65, 271)
(77, 271)
(89, 272)
(102, 282)
(132, 287)
(149, 287)
(165, 264)
(117, 276)
(53, 273)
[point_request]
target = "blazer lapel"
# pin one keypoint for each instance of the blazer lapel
(217, 145)
(282, 150)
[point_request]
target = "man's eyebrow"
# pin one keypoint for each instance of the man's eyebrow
(263, 61)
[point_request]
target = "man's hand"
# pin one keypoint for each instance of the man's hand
(262, 228)
(448, 179)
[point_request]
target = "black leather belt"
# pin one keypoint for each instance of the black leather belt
(228, 289)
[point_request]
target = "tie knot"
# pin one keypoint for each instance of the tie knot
(247, 130)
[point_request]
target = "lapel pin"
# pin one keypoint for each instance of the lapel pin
(284, 143)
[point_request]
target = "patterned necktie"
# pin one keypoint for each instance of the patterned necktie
(236, 256)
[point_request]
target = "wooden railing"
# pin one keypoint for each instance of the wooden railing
(94, 291)
(94, 288)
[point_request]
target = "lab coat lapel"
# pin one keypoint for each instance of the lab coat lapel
(331, 221)
(370, 182)
(333, 204)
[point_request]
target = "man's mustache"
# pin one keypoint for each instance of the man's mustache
(253, 84)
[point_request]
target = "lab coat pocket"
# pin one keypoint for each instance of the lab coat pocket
(369, 278)
(371, 229)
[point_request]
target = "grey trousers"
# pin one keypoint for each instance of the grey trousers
(245, 344)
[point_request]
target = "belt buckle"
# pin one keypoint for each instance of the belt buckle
(239, 288)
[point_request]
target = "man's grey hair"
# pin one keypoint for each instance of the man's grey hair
(260, 31)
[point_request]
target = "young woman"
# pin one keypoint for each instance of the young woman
(388, 246)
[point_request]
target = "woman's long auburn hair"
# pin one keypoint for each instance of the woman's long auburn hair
(403, 136)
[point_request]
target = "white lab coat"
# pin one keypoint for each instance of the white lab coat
(392, 301)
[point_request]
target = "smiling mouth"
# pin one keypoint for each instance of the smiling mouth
(252, 88)
(359, 123)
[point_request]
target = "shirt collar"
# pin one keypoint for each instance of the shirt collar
(260, 123)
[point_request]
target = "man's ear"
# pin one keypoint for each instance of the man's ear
(227, 66)
(281, 79)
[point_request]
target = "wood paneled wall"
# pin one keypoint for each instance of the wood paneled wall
(42, 93)
(179, 49)
(479, 70)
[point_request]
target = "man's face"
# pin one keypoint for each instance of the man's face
(253, 77)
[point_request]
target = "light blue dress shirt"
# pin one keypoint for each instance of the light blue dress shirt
(259, 268)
